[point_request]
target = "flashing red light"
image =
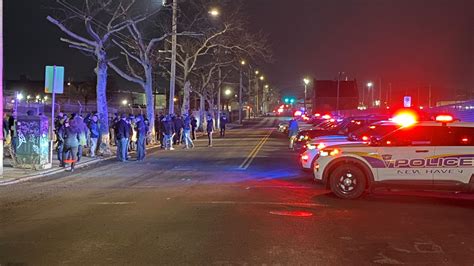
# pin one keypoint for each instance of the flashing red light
(389, 142)
(405, 118)
(304, 157)
(444, 118)
(326, 116)
(317, 115)
(298, 113)
(464, 140)
(321, 146)
(365, 138)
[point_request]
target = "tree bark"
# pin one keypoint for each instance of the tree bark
(186, 95)
(202, 109)
(150, 104)
(102, 109)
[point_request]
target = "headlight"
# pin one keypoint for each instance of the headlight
(330, 152)
(310, 146)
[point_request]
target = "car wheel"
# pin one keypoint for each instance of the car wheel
(348, 181)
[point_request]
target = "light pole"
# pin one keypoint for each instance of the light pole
(174, 31)
(256, 91)
(261, 78)
(242, 64)
(306, 83)
(369, 86)
(338, 90)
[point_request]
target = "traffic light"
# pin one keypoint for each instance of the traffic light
(290, 100)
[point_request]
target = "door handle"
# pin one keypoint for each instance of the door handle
(420, 151)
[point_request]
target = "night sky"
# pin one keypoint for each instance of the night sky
(409, 43)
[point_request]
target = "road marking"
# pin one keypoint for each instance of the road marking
(246, 163)
(115, 203)
(299, 204)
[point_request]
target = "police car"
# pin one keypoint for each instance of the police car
(360, 136)
(428, 155)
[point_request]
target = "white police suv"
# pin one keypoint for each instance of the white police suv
(360, 136)
(425, 155)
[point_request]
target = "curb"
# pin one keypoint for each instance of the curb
(61, 170)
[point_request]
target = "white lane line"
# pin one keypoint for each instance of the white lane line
(299, 204)
(115, 203)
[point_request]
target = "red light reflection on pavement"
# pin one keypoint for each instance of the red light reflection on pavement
(292, 213)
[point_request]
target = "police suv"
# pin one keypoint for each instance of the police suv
(432, 155)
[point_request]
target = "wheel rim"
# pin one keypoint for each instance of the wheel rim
(347, 183)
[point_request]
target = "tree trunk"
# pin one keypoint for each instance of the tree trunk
(202, 109)
(186, 100)
(150, 104)
(102, 108)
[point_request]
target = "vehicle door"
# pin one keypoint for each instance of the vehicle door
(403, 154)
(454, 155)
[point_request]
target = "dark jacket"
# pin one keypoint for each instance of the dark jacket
(94, 128)
(168, 127)
(141, 129)
(71, 137)
(178, 123)
(123, 129)
(194, 122)
(187, 123)
(223, 121)
(210, 125)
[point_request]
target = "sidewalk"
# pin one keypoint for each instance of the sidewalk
(13, 175)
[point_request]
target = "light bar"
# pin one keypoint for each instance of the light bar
(444, 118)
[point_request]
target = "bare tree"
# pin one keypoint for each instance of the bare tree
(100, 19)
(140, 52)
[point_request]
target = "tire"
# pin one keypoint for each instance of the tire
(348, 181)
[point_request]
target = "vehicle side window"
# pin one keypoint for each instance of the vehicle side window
(411, 136)
(455, 136)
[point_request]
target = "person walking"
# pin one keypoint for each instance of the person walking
(188, 142)
(169, 132)
(292, 131)
(193, 126)
(60, 134)
(94, 132)
(210, 129)
(141, 129)
(123, 134)
(83, 133)
(71, 142)
(178, 127)
(222, 124)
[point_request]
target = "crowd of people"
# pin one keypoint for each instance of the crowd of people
(78, 135)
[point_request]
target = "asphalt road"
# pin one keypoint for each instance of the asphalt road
(242, 202)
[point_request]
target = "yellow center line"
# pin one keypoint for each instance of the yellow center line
(246, 163)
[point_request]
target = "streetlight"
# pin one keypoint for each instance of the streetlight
(124, 102)
(262, 78)
(227, 92)
(257, 72)
(19, 96)
(241, 85)
(214, 12)
(369, 86)
(306, 83)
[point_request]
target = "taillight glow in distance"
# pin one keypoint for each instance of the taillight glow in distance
(444, 118)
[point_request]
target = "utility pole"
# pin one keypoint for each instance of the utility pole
(257, 104)
(219, 82)
(240, 92)
(389, 94)
(1, 85)
(429, 96)
(338, 89)
(173, 56)
(380, 92)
